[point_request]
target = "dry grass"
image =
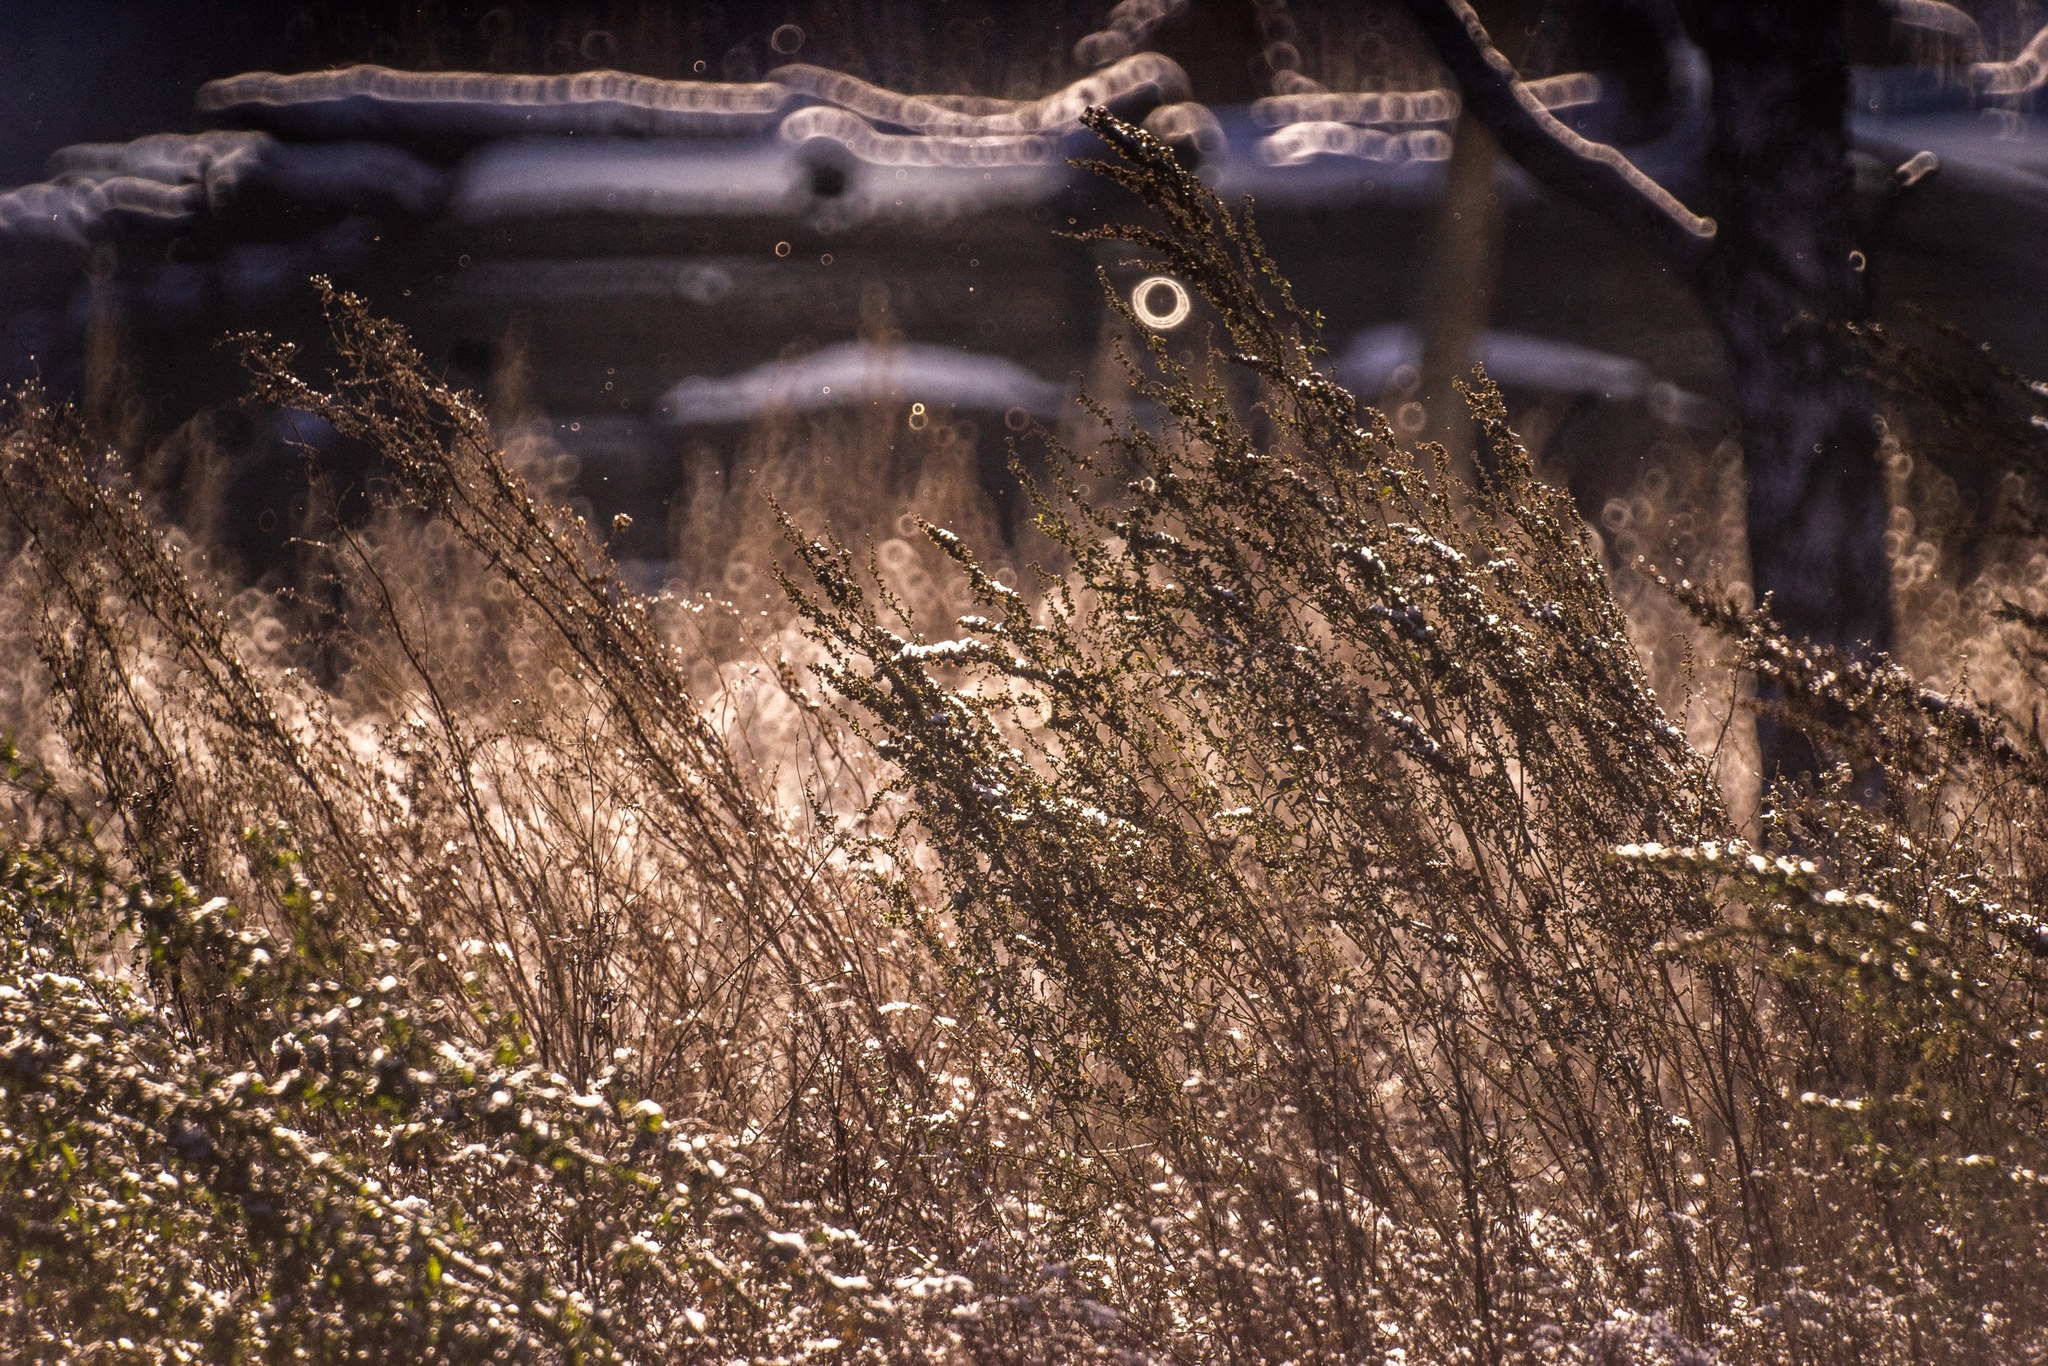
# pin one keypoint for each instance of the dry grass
(1286, 929)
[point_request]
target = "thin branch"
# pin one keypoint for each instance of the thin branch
(1592, 173)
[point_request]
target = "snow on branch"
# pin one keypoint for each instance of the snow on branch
(366, 101)
(1128, 28)
(1408, 106)
(2023, 74)
(1592, 172)
(1936, 16)
(1058, 113)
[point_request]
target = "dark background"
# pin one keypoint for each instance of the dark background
(114, 70)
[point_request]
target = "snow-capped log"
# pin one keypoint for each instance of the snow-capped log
(862, 372)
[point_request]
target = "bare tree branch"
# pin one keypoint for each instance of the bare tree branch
(1593, 173)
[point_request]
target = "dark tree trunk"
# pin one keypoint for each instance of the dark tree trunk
(1777, 281)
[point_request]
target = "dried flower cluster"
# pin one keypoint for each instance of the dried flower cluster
(1291, 931)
